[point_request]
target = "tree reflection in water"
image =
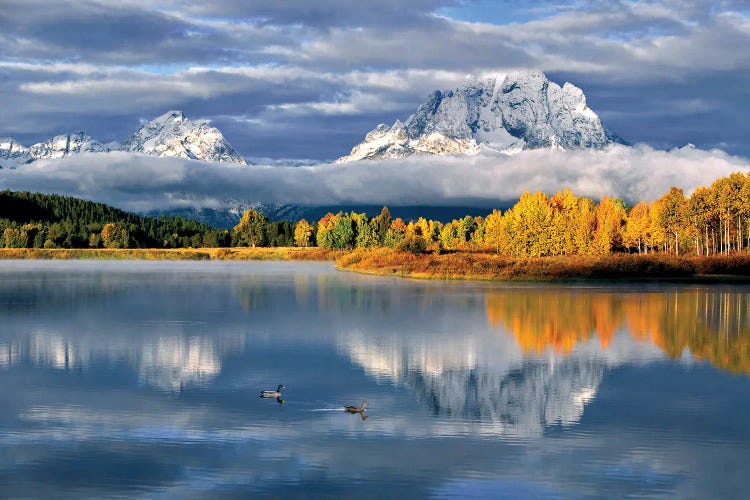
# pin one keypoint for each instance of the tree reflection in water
(712, 324)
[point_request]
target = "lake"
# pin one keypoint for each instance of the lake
(130, 379)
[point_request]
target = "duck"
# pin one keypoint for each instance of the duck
(356, 409)
(272, 394)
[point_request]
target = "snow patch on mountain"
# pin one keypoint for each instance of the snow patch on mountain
(506, 113)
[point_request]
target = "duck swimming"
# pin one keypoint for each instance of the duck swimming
(356, 409)
(272, 394)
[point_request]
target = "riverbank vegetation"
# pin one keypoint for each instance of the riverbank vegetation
(541, 237)
(492, 266)
(268, 253)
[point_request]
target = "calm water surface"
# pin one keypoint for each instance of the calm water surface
(139, 379)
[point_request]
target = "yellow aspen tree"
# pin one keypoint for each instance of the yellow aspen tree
(495, 236)
(636, 227)
(115, 235)
(610, 215)
(656, 237)
(672, 216)
(303, 233)
(583, 224)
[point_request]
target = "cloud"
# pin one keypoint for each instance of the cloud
(143, 183)
(308, 80)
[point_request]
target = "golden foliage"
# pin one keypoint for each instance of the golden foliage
(712, 325)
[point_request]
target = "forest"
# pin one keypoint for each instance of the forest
(713, 220)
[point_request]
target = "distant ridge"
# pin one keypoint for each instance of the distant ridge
(169, 135)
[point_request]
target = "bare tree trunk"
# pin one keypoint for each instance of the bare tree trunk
(708, 242)
(739, 234)
(713, 241)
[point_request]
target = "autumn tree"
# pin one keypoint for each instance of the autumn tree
(745, 206)
(636, 229)
(324, 236)
(610, 216)
(529, 226)
(115, 235)
(367, 235)
(383, 223)
(672, 215)
(396, 233)
(336, 231)
(303, 233)
(15, 238)
(343, 232)
(584, 222)
(700, 215)
(251, 230)
(495, 235)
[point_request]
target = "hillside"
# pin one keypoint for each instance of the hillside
(48, 220)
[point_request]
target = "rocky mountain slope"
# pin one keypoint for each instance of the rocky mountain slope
(506, 113)
(66, 145)
(171, 134)
(13, 154)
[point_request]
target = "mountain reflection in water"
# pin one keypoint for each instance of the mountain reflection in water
(146, 376)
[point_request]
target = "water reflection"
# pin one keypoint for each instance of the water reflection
(155, 371)
(168, 363)
(484, 379)
(711, 324)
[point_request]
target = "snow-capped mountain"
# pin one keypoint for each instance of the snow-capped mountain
(506, 113)
(66, 145)
(172, 134)
(13, 154)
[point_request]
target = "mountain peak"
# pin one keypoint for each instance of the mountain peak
(173, 134)
(65, 145)
(502, 112)
(173, 115)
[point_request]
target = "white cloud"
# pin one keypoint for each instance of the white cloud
(142, 183)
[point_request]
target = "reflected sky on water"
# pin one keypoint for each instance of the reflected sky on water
(142, 379)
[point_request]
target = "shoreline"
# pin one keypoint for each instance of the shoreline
(470, 265)
(234, 253)
(484, 266)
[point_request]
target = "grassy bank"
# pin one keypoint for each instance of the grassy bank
(278, 253)
(490, 266)
(454, 265)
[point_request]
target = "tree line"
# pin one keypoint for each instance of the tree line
(713, 220)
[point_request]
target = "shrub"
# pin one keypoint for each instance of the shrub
(413, 244)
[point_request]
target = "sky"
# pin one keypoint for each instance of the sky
(300, 79)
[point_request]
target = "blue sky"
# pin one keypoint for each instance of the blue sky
(300, 79)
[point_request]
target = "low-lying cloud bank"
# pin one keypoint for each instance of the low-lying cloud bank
(143, 183)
